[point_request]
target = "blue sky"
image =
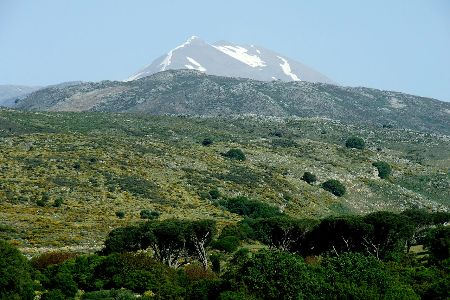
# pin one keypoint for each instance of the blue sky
(401, 45)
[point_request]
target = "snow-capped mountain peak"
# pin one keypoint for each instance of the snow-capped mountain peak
(232, 60)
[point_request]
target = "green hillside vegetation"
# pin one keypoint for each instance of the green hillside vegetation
(276, 257)
(65, 176)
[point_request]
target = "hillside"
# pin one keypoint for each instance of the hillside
(9, 93)
(101, 163)
(184, 92)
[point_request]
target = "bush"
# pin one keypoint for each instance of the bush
(149, 214)
(206, 142)
(355, 142)
(283, 143)
(65, 282)
(120, 294)
(249, 208)
(228, 244)
(58, 202)
(214, 194)
(139, 272)
(15, 279)
(236, 154)
(277, 275)
(51, 258)
(384, 169)
(309, 177)
(120, 214)
(55, 294)
(335, 187)
(215, 262)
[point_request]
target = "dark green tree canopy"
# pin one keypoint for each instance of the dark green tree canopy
(384, 169)
(15, 278)
(355, 142)
(309, 177)
(335, 187)
(236, 154)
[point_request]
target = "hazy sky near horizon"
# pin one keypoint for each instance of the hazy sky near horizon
(401, 45)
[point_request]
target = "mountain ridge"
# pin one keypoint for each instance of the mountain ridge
(190, 92)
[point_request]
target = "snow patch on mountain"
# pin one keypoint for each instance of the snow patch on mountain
(196, 66)
(240, 53)
(287, 69)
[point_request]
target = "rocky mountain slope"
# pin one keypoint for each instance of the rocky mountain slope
(232, 60)
(9, 93)
(190, 92)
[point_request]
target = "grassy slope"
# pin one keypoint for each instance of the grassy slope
(101, 163)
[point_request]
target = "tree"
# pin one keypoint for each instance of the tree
(236, 154)
(15, 278)
(309, 177)
(335, 187)
(355, 142)
(390, 236)
(282, 232)
(200, 234)
(357, 276)
(384, 169)
(123, 239)
(167, 239)
(337, 235)
(437, 243)
(276, 275)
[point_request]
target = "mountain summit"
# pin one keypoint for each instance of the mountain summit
(232, 60)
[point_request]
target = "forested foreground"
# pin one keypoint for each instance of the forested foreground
(267, 255)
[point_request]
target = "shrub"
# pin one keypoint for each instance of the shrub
(309, 177)
(206, 142)
(384, 169)
(277, 275)
(64, 281)
(214, 194)
(51, 258)
(41, 203)
(195, 272)
(355, 142)
(236, 154)
(15, 279)
(120, 294)
(231, 295)
(120, 214)
(55, 294)
(335, 187)
(215, 262)
(149, 214)
(139, 272)
(228, 244)
(283, 143)
(58, 202)
(249, 208)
